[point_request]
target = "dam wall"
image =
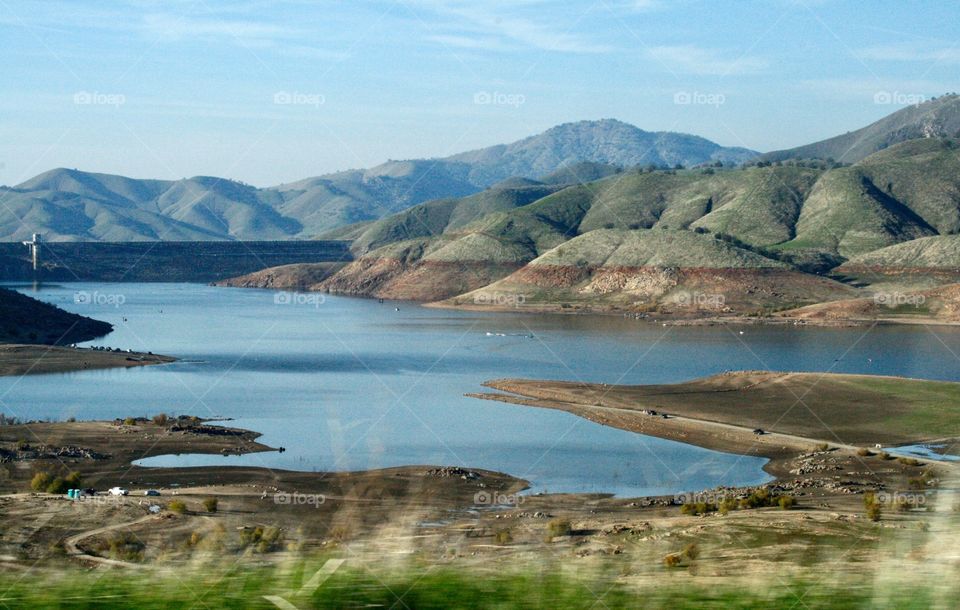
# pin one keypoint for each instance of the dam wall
(168, 261)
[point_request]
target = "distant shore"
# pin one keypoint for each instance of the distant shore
(17, 359)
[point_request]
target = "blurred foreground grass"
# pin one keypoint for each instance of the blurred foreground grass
(440, 588)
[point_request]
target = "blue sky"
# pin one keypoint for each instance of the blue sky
(273, 91)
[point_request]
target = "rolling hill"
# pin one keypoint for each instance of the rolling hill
(65, 204)
(635, 238)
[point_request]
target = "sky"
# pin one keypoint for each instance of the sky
(273, 91)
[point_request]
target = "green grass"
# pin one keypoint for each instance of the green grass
(932, 405)
(440, 588)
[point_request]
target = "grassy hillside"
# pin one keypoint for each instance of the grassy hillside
(668, 271)
(937, 118)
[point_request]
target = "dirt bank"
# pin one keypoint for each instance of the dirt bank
(36, 359)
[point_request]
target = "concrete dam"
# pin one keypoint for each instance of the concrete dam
(170, 261)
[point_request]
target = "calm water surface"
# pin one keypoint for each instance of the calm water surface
(351, 384)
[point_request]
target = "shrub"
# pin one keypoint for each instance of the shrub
(503, 537)
(129, 421)
(211, 504)
(161, 419)
(262, 539)
(726, 505)
(822, 447)
(691, 551)
(57, 486)
(559, 527)
(786, 502)
(864, 452)
(22, 445)
(126, 547)
(872, 504)
(907, 461)
(698, 508)
(672, 560)
(177, 506)
(41, 481)
(886, 456)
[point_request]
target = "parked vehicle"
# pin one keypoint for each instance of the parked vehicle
(118, 491)
(151, 492)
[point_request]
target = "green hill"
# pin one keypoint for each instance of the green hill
(939, 118)
(667, 271)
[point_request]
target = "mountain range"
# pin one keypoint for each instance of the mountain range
(65, 204)
(762, 236)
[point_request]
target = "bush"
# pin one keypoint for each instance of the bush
(126, 547)
(129, 421)
(822, 447)
(211, 504)
(872, 504)
(177, 506)
(559, 527)
(864, 452)
(691, 551)
(41, 481)
(726, 505)
(886, 456)
(698, 508)
(786, 502)
(906, 461)
(503, 537)
(672, 560)
(161, 419)
(262, 539)
(57, 486)
(44, 481)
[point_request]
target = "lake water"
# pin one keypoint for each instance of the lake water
(352, 384)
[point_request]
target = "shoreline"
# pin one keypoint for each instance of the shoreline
(671, 320)
(795, 461)
(29, 359)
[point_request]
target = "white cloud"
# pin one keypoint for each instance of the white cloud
(491, 25)
(696, 60)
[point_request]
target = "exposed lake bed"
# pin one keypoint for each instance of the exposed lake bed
(352, 384)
